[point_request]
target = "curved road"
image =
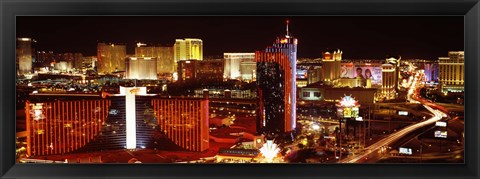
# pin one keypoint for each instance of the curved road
(372, 149)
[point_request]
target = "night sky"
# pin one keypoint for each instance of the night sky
(365, 37)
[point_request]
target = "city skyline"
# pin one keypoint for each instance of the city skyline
(169, 104)
(366, 37)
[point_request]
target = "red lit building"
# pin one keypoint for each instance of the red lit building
(274, 92)
(68, 126)
(276, 80)
(184, 121)
(63, 126)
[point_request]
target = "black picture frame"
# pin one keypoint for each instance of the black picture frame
(470, 9)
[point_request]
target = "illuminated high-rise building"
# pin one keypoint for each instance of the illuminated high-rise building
(24, 54)
(395, 61)
(233, 62)
(142, 68)
(452, 71)
(188, 49)
(131, 119)
(276, 74)
(163, 54)
(331, 70)
(184, 121)
(62, 126)
(205, 71)
(389, 78)
(110, 58)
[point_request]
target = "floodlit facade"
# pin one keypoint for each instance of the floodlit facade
(276, 79)
(389, 78)
(163, 54)
(452, 71)
(233, 63)
(331, 66)
(184, 121)
(188, 49)
(132, 119)
(110, 58)
(142, 68)
(24, 56)
(63, 126)
(395, 61)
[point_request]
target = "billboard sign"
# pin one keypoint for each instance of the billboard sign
(301, 73)
(403, 150)
(370, 71)
(441, 124)
(347, 112)
(347, 70)
(355, 112)
(441, 134)
(403, 113)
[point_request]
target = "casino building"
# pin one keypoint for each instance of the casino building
(131, 119)
(452, 72)
(276, 76)
(163, 53)
(390, 76)
(142, 68)
(331, 60)
(389, 80)
(236, 65)
(111, 57)
(24, 56)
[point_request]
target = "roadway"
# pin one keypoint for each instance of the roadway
(381, 144)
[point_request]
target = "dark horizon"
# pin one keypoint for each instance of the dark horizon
(364, 37)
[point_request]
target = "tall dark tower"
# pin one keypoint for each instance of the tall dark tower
(276, 68)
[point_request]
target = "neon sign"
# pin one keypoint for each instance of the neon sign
(348, 101)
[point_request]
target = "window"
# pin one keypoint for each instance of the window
(306, 94)
(316, 94)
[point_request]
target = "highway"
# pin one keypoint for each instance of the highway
(374, 148)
